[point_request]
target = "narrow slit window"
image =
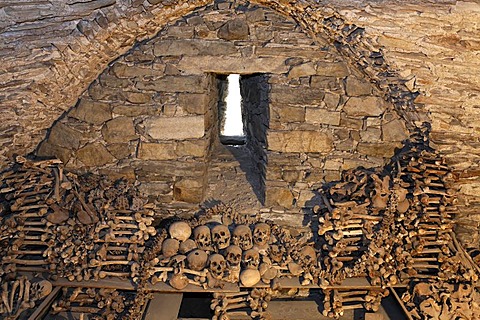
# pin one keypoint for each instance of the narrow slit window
(231, 126)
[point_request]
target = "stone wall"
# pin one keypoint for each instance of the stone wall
(51, 51)
(152, 115)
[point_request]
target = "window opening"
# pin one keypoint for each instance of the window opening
(232, 123)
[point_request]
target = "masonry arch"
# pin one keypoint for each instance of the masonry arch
(326, 110)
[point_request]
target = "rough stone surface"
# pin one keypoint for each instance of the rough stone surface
(94, 154)
(51, 57)
(236, 29)
(180, 128)
(91, 112)
(300, 141)
(364, 106)
(119, 130)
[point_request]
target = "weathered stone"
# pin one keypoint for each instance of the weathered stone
(380, 149)
(48, 150)
(236, 29)
(138, 97)
(255, 15)
(368, 106)
(119, 130)
(286, 114)
(121, 150)
(194, 47)
(332, 69)
(357, 87)
(325, 82)
(193, 103)
(155, 188)
(371, 134)
(302, 70)
(64, 136)
(94, 155)
(156, 151)
(394, 130)
(232, 65)
(279, 197)
(331, 100)
(194, 84)
(91, 111)
(188, 190)
(300, 141)
(122, 70)
(178, 128)
(300, 96)
(191, 148)
(133, 110)
(319, 115)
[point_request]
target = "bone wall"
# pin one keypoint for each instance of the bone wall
(52, 50)
(152, 114)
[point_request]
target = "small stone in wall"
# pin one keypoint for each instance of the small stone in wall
(119, 130)
(94, 155)
(156, 151)
(368, 106)
(300, 141)
(236, 29)
(91, 111)
(357, 87)
(303, 70)
(188, 190)
(47, 149)
(279, 197)
(64, 136)
(394, 130)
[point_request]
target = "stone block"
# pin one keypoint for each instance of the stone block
(302, 70)
(255, 15)
(193, 84)
(91, 111)
(46, 149)
(177, 128)
(394, 130)
(378, 149)
(188, 190)
(226, 64)
(119, 130)
(122, 70)
(371, 134)
(299, 141)
(191, 148)
(306, 199)
(94, 155)
(332, 69)
(357, 87)
(368, 106)
(155, 188)
(319, 115)
(286, 114)
(325, 82)
(121, 150)
(156, 151)
(331, 100)
(194, 47)
(64, 136)
(193, 103)
(236, 29)
(352, 123)
(276, 196)
(297, 96)
(137, 97)
(133, 110)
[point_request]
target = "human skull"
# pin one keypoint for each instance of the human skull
(217, 265)
(242, 237)
(221, 236)
(233, 255)
(187, 246)
(250, 277)
(202, 237)
(40, 289)
(276, 253)
(180, 230)
(261, 234)
(170, 247)
(197, 260)
(251, 259)
(308, 256)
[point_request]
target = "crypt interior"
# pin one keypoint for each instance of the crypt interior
(351, 192)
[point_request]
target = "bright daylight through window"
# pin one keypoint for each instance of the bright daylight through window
(232, 131)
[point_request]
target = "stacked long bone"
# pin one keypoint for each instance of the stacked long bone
(392, 226)
(213, 254)
(79, 228)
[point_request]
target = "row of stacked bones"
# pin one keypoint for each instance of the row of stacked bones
(392, 226)
(359, 215)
